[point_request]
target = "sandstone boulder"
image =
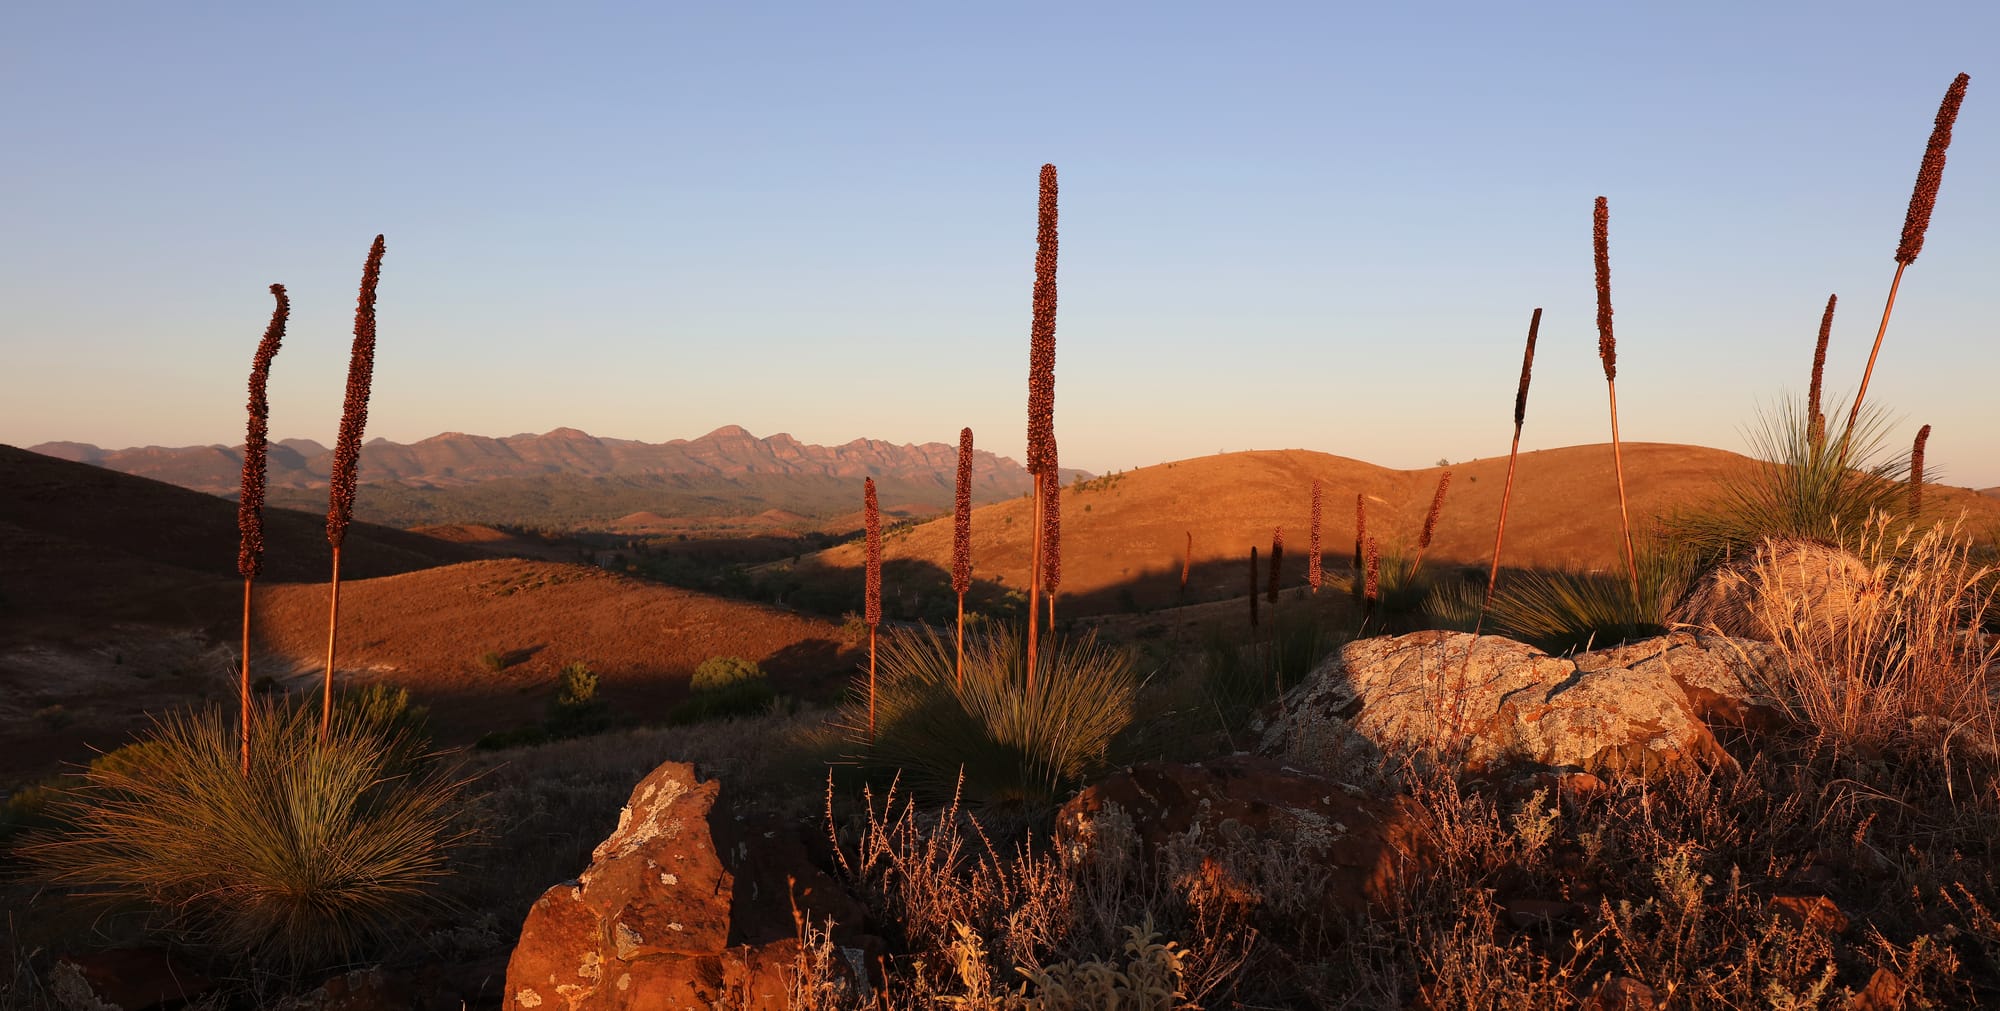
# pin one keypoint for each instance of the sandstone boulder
(1241, 825)
(1492, 702)
(682, 906)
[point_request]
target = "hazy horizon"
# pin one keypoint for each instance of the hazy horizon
(1286, 228)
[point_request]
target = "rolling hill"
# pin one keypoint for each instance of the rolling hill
(1124, 534)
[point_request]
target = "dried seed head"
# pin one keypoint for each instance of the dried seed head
(256, 443)
(1819, 363)
(1314, 577)
(1052, 525)
(1930, 173)
(961, 520)
(1527, 367)
(1360, 528)
(871, 520)
(1253, 586)
(1277, 560)
(1917, 470)
(1042, 335)
(1607, 344)
(1374, 572)
(1437, 504)
(354, 414)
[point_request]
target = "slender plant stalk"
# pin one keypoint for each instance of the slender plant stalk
(1313, 574)
(1187, 561)
(1430, 523)
(1041, 389)
(961, 541)
(1513, 457)
(1253, 586)
(250, 503)
(347, 458)
(1360, 537)
(1814, 417)
(1052, 533)
(1373, 591)
(1607, 351)
(1916, 221)
(1917, 471)
(871, 519)
(1277, 563)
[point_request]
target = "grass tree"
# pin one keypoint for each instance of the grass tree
(1041, 392)
(871, 517)
(1607, 353)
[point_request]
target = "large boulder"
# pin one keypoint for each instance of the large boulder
(681, 907)
(1491, 702)
(1788, 586)
(1243, 826)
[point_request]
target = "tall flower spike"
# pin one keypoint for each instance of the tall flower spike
(1360, 527)
(1313, 574)
(1917, 471)
(1527, 370)
(256, 443)
(1277, 560)
(354, 413)
(1253, 586)
(871, 518)
(1374, 589)
(1930, 174)
(1607, 343)
(1042, 334)
(1813, 415)
(1437, 505)
(961, 525)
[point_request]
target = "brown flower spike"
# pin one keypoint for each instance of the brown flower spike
(1930, 174)
(1042, 335)
(1513, 458)
(1917, 470)
(1607, 344)
(871, 519)
(1374, 587)
(1277, 560)
(1813, 416)
(1527, 371)
(1437, 505)
(1052, 532)
(961, 518)
(1360, 527)
(256, 443)
(1253, 586)
(354, 414)
(347, 459)
(1314, 577)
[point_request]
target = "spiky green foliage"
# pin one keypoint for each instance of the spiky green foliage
(1020, 750)
(1240, 677)
(1561, 610)
(1798, 488)
(323, 854)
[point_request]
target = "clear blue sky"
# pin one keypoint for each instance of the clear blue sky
(1320, 226)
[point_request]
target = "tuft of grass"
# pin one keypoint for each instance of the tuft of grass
(1019, 749)
(1561, 610)
(1238, 678)
(1799, 488)
(327, 852)
(1906, 666)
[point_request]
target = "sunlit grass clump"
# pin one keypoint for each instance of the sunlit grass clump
(1019, 748)
(321, 855)
(1563, 610)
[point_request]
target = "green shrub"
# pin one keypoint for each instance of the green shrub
(577, 687)
(1238, 678)
(385, 705)
(493, 660)
(322, 855)
(1019, 751)
(724, 687)
(721, 672)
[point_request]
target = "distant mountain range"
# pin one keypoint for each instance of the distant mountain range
(568, 477)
